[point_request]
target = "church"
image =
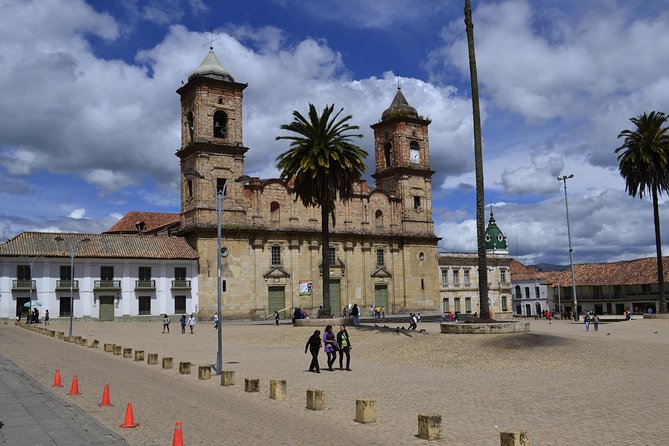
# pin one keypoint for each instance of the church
(383, 249)
(382, 252)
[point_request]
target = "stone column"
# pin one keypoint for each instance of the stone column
(127, 353)
(228, 378)
(152, 359)
(167, 363)
(251, 385)
(365, 411)
(118, 349)
(315, 399)
(139, 355)
(429, 426)
(204, 372)
(108, 348)
(277, 389)
(513, 438)
(184, 368)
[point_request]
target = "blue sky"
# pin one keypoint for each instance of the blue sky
(90, 114)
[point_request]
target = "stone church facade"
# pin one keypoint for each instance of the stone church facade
(383, 250)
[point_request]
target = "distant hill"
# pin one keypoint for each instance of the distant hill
(549, 267)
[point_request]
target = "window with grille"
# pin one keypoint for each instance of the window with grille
(444, 277)
(468, 304)
(466, 277)
(276, 255)
(332, 255)
(446, 305)
(504, 304)
(380, 261)
(456, 277)
(456, 301)
(179, 304)
(179, 273)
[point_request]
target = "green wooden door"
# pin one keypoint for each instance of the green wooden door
(335, 297)
(277, 299)
(106, 308)
(381, 296)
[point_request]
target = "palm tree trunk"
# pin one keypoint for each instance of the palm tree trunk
(478, 161)
(325, 251)
(658, 249)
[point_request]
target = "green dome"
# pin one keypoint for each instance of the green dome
(495, 240)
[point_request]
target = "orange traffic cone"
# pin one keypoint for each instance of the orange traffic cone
(105, 397)
(129, 419)
(56, 379)
(178, 438)
(74, 390)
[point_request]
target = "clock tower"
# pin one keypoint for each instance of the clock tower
(403, 163)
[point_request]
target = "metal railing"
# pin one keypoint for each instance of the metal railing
(181, 284)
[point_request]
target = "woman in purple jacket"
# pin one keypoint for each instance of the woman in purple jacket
(330, 349)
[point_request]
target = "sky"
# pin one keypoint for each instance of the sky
(90, 113)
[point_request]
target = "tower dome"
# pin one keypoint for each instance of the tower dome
(211, 67)
(399, 107)
(495, 240)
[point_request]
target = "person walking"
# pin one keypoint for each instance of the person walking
(330, 349)
(216, 321)
(595, 322)
(46, 317)
(191, 323)
(344, 343)
(314, 346)
(276, 318)
(586, 320)
(166, 323)
(355, 312)
(183, 323)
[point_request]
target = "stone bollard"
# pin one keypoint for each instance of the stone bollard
(184, 368)
(109, 348)
(228, 378)
(60, 334)
(118, 349)
(168, 363)
(84, 342)
(204, 372)
(77, 340)
(251, 385)
(152, 359)
(127, 353)
(94, 344)
(139, 355)
(315, 399)
(277, 389)
(429, 426)
(513, 438)
(52, 333)
(365, 411)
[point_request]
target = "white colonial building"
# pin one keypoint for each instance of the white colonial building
(115, 276)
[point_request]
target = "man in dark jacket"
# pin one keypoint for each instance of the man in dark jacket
(314, 345)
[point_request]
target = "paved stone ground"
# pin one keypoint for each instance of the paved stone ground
(561, 384)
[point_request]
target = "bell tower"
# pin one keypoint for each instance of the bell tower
(403, 163)
(212, 149)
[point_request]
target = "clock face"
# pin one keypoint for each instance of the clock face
(414, 156)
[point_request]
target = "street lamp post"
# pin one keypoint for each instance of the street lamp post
(564, 179)
(72, 250)
(220, 193)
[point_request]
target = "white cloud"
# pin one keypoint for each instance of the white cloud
(77, 213)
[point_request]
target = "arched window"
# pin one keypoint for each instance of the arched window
(378, 217)
(519, 295)
(388, 153)
(220, 124)
(274, 212)
(504, 304)
(189, 125)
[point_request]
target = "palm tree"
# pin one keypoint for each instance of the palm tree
(323, 165)
(644, 164)
(478, 162)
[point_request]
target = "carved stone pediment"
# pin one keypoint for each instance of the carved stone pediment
(381, 273)
(277, 272)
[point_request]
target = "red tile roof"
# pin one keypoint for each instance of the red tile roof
(628, 272)
(44, 244)
(152, 222)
